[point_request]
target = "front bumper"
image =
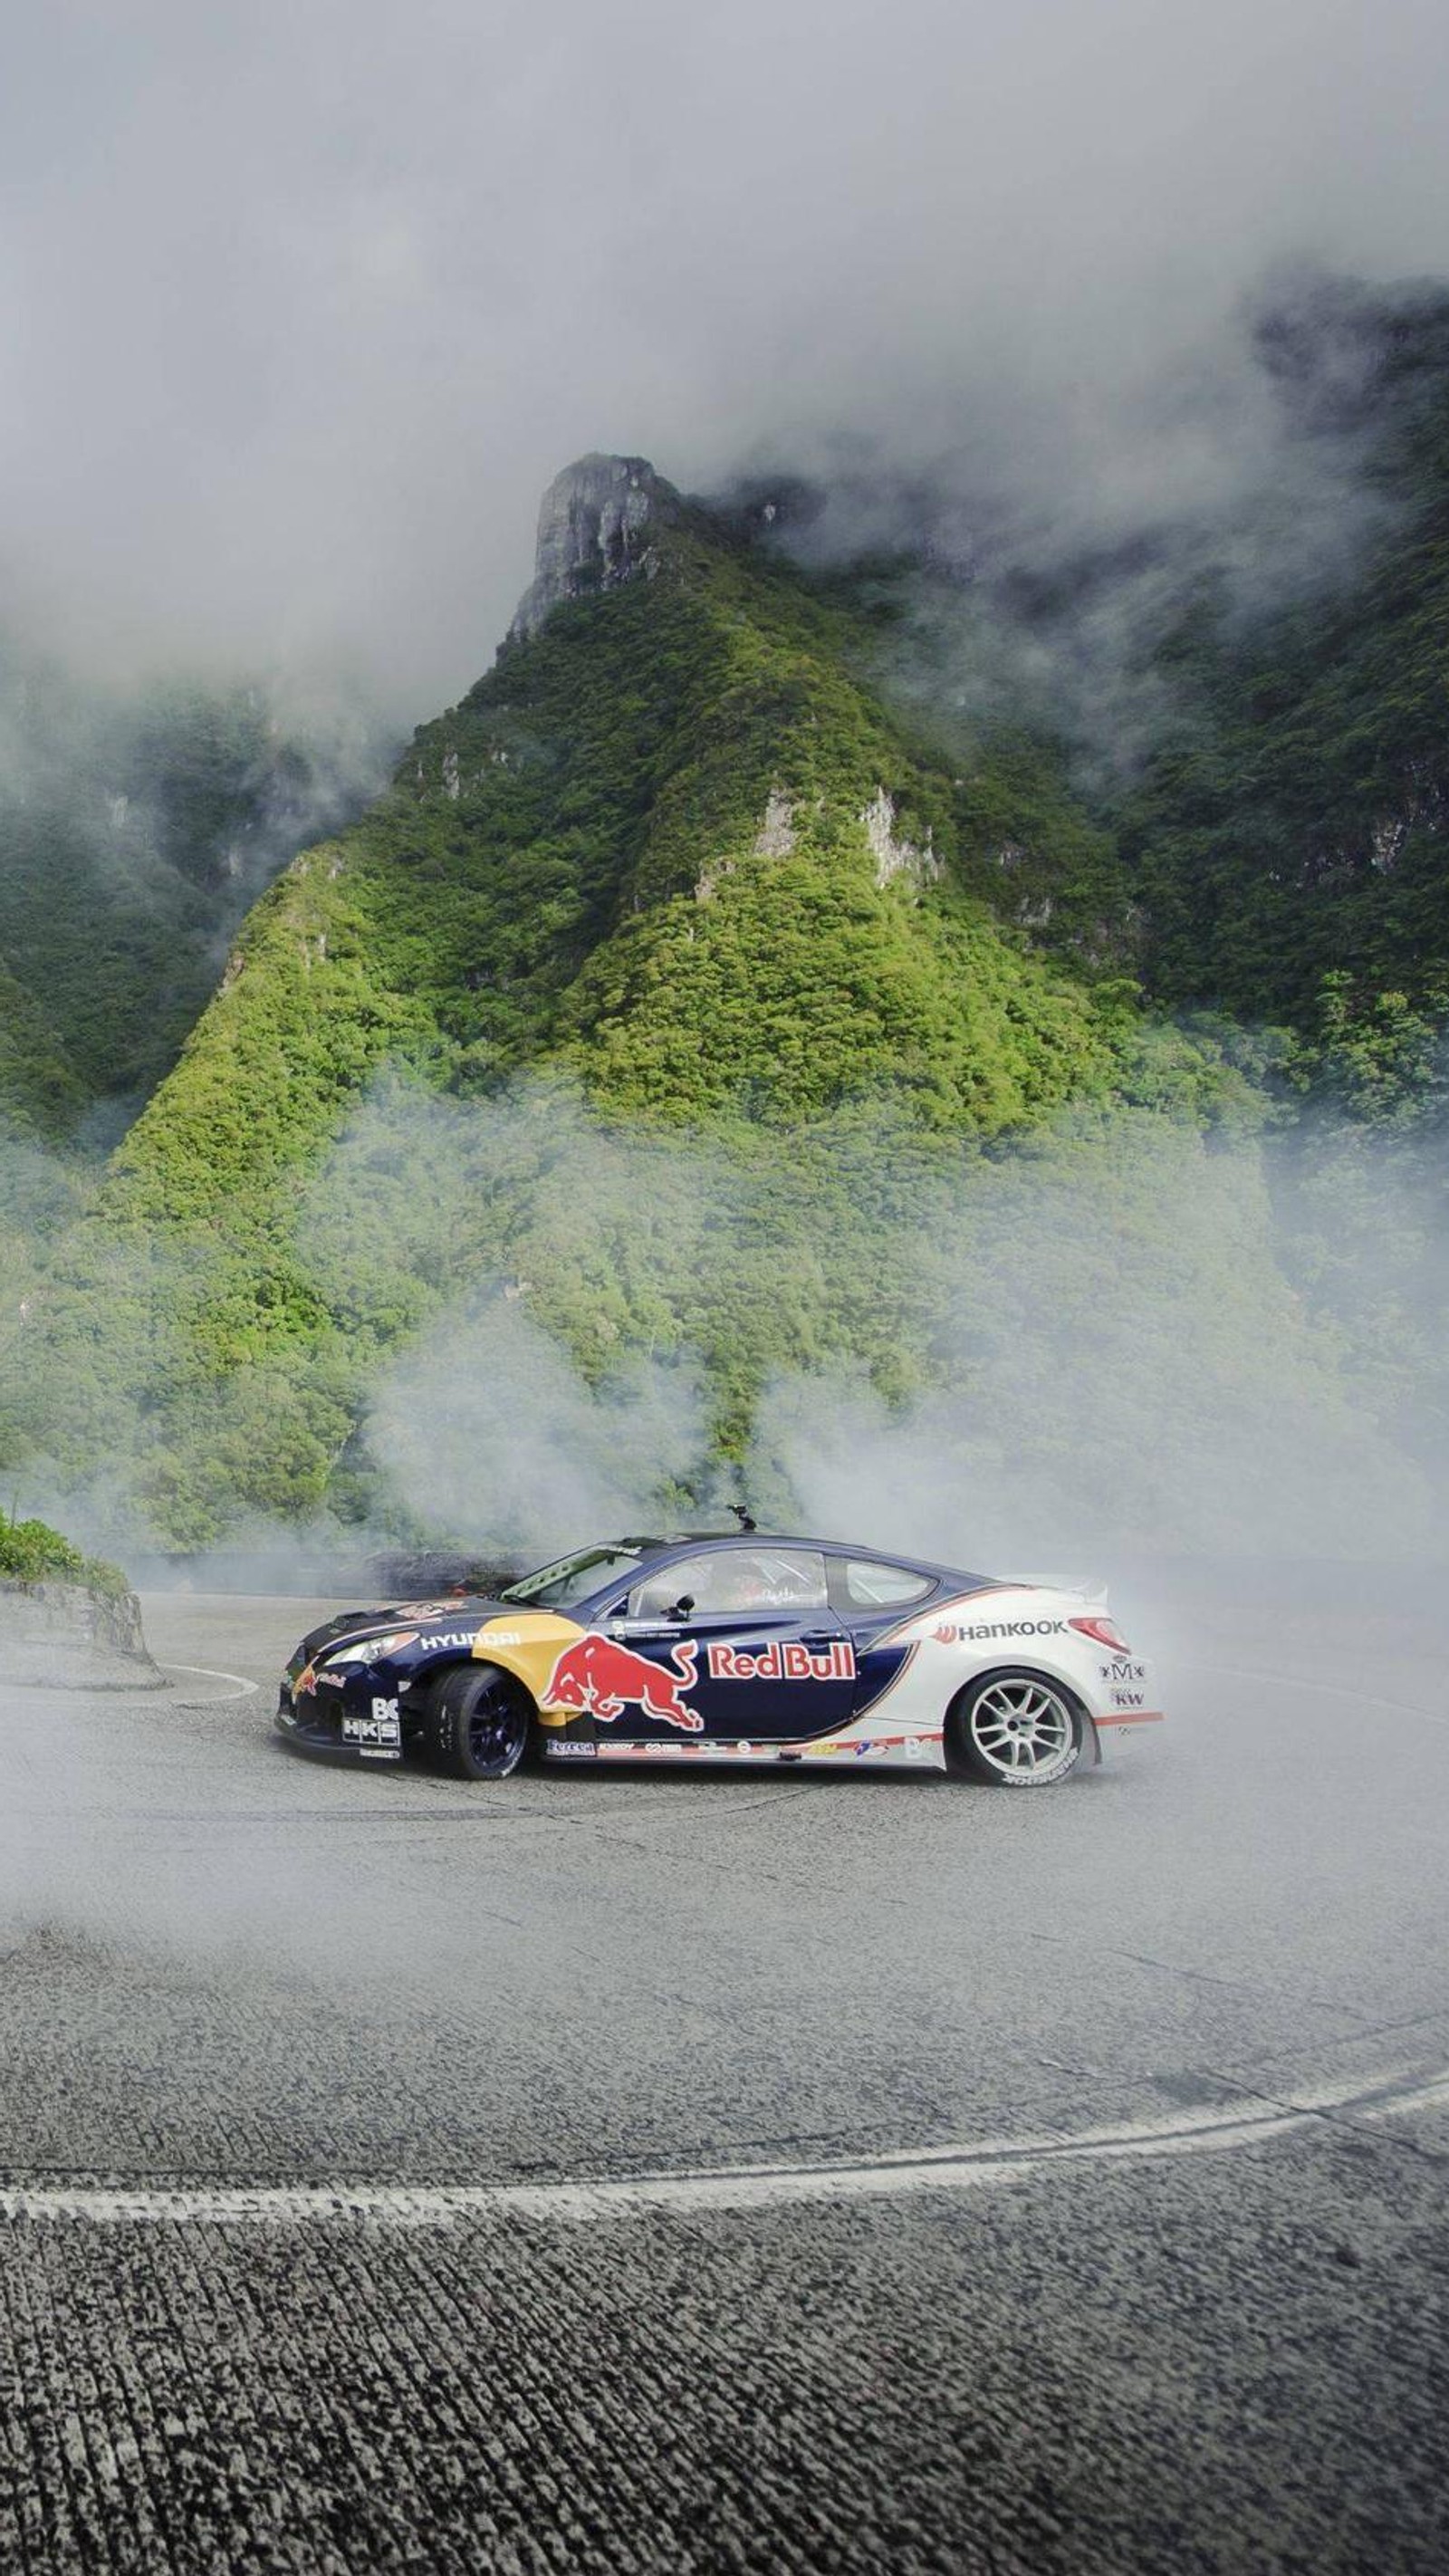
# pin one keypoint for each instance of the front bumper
(368, 1725)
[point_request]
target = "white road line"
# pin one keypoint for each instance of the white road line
(891, 2175)
(210, 1673)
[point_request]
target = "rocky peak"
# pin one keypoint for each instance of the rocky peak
(595, 528)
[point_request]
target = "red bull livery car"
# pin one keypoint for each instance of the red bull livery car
(728, 1649)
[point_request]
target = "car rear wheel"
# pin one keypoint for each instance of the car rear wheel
(1017, 1730)
(478, 1722)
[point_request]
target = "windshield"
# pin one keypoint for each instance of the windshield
(573, 1578)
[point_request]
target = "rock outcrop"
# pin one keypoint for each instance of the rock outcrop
(68, 1636)
(595, 528)
(893, 857)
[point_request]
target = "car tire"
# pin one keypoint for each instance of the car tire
(1015, 1730)
(479, 1722)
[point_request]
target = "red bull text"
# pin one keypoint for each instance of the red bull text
(783, 1662)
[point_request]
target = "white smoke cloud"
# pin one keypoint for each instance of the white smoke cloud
(1127, 1367)
(1127, 1340)
(486, 1432)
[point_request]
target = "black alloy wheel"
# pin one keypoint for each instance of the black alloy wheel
(478, 1722)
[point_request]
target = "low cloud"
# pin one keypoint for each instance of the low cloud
(309, 302)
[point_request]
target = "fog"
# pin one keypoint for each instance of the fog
(306, 304)
(1129, 1341)
(1130, 1357)
(485, 1430)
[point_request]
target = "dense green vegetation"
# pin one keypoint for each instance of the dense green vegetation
(1287, 837)
(699, 1001)
(674, 862)
(32, 1552)
(39, 1092)
(134, 834)
(577, 864)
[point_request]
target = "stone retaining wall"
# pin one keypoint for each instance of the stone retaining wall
(64, 1636)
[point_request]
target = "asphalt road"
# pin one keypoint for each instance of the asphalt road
(651, 2172)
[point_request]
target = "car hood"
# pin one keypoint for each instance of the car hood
(471, 1609)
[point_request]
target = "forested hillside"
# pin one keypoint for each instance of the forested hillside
(708, 990)
(673, 861)
(674, 843)
(135, 832)
(1288, 840)
(1249, 698)
(39, 1093)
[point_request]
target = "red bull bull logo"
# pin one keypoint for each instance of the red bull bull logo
(597, 1677)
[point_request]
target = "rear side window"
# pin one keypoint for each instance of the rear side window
(870, 1586)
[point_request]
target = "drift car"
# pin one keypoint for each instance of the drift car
(727, 1649)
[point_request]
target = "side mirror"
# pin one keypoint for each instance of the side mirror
(682, 1606)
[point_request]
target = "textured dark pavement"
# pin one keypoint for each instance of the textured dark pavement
(228, 1968)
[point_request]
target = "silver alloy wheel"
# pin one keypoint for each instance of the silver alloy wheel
(1023, 1731)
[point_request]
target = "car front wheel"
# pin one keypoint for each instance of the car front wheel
(478, 1722)
(1016, 1730)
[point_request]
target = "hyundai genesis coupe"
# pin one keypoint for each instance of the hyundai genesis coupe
(740, 1649)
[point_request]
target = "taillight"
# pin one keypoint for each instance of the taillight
(1102, 1631)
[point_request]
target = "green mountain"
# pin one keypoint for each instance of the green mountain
(1288, 838)
(39, 1093)
(700, 994)
(676, 865)
(135, 832)
(675, 844)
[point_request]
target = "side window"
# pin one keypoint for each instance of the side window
(732, 1579)
(869, 1586)
(659, 1592)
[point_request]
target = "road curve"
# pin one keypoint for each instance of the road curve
(641, 2171)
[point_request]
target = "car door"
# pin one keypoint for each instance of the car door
(766, 1657)
(873, 1597)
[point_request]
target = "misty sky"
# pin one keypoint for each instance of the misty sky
(305, 300)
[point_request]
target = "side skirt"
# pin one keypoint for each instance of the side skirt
(844, 1753)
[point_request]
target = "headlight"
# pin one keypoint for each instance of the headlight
(370, 1650)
